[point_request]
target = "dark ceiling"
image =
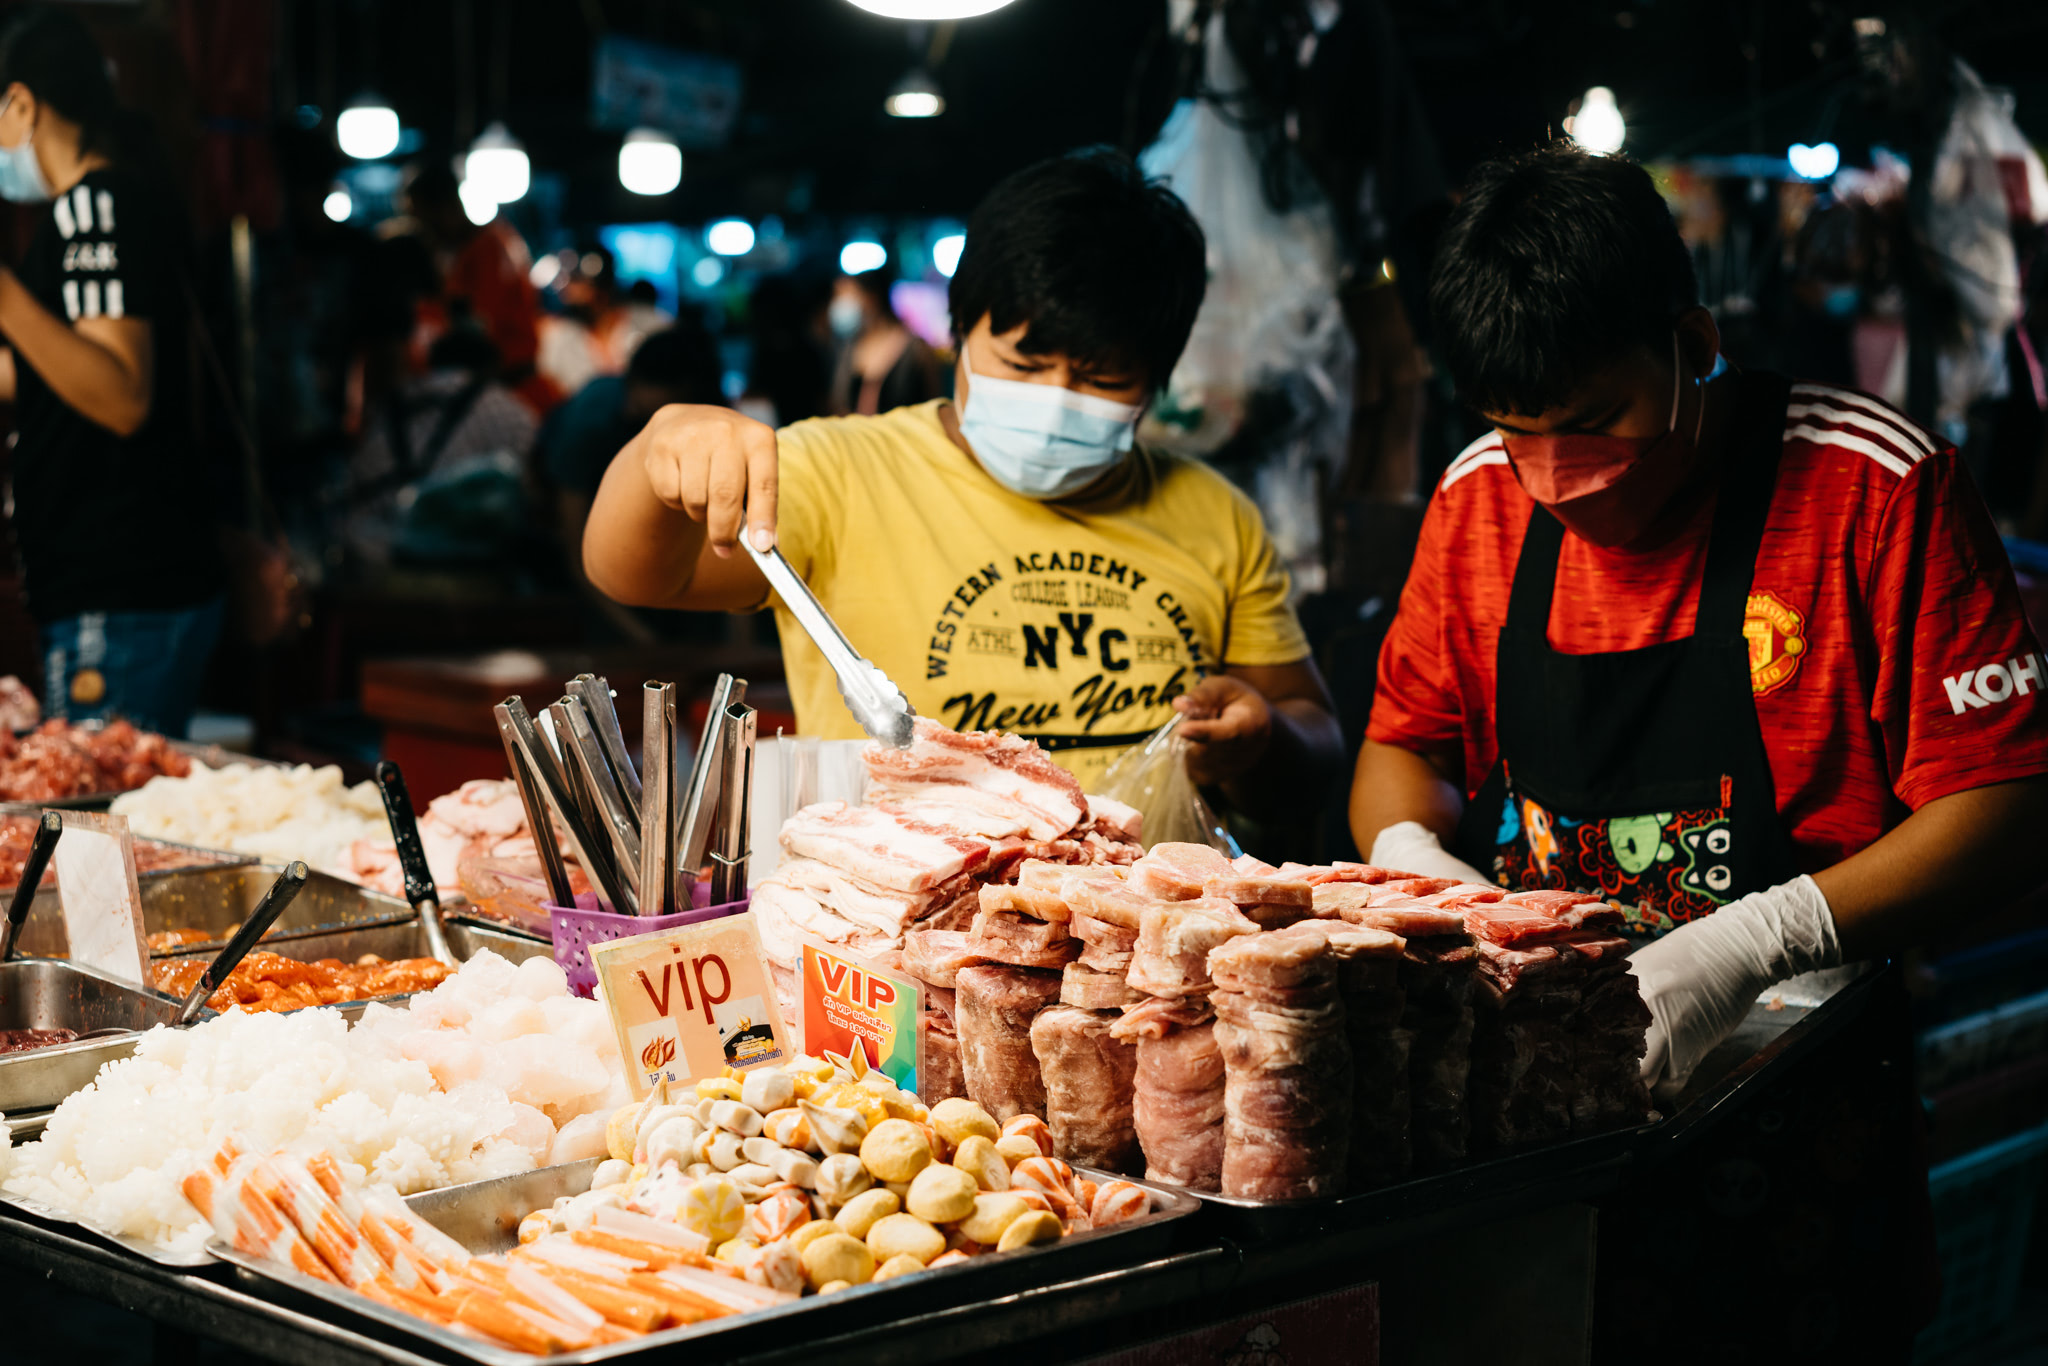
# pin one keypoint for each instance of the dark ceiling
(1705, 76)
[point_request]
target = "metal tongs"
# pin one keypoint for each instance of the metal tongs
(260, 920)
(412, 861)
(48, 831)
(875, 701)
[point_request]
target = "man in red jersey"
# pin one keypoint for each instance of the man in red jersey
(1740, 653)
(1745, 656)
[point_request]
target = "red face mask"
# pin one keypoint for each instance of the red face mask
(1608, 489)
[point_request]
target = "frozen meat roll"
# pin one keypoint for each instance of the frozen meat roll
(996, 1005)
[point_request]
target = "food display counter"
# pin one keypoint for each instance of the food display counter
(1218, 1265)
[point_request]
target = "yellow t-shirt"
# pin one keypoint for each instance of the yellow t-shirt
(1073, 624)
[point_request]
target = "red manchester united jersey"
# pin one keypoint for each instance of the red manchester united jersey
(1889, 657)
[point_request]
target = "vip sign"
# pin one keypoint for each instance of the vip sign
(849, 1003)
(690, 1002)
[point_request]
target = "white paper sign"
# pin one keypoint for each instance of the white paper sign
(95, 862)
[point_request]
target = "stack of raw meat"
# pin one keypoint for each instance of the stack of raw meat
(954, 812)
(1560, 1022)
(1434, 981)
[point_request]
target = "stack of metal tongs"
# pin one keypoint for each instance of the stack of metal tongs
(639, 841)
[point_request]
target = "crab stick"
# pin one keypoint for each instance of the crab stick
(338, 1241)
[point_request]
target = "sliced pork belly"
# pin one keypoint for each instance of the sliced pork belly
(882, 849)
(991, 763)
(1093, 989)
(1177, 1093)
(1176, 872)
(935, 957)
(1171, 957)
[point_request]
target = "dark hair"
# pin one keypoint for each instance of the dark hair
(681, 360)
(1555, 262)
(53, 53)
(1105, 266)
(465, 345)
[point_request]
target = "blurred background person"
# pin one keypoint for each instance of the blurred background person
(108, 488)
(579, 439)
(882, 364)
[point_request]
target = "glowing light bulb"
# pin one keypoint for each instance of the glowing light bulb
(338, 206)
(730, 237)
(497, 165)
(650, 163)
(368, 129)
(1598, 126)
(861, 256)
(946, 253)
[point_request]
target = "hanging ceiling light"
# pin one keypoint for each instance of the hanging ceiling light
(477, 202)
(946, 253)
(730, 237)
(497, 165)
(930, 9)
(916, 96)
(1598, 125)
(1817, 162)
(650, 162)
(338, 205)
(368, 129)
(862, 255)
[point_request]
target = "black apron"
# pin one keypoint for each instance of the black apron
(1641, 775)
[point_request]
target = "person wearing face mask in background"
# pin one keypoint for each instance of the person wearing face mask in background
(881, 364)
(1012, 559)
(110, 508)
(1741, 654)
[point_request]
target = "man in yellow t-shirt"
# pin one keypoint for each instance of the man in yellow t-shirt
(1013, 561)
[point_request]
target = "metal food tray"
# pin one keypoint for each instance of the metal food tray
(42, 993)
(1511, 1178)
(482, 1217)
(403, 940)
(218, 899)
(213, 756)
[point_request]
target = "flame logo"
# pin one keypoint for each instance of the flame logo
(658, 1053)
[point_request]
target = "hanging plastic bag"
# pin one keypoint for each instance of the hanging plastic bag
(1270, 356)
(1154, 779)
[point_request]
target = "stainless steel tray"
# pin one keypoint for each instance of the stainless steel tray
(217, 900)
(480, 1211)
(145, 1250)
(406, 940)
(42, 993)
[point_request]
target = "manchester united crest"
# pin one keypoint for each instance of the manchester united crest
(1777, 641)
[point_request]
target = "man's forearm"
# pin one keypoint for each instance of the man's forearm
(1302, 759)
(1391, 785)
(90, 379)
(637, 549)
(1958, 855)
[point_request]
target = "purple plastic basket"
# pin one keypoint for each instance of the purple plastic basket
(575, 929)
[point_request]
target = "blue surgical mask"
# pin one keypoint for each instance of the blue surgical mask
(845, 317)
(21, 175)
(1043, 440)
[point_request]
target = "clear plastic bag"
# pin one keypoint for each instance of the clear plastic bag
(1154, 779)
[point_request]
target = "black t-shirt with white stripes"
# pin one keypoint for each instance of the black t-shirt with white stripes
(109, 523)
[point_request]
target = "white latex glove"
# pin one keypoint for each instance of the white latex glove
(1412, 847)
(1700, 980)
